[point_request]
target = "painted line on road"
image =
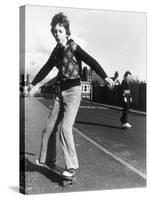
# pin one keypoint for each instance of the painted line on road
(93, 107)
(89, 107)
(111, 154)
(129, 166)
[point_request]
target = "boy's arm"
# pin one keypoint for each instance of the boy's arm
(36, 83)
(89, 60)
(44, 71)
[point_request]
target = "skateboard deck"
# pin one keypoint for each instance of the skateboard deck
(64, 180)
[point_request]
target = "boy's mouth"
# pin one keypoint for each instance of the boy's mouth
(58, 39)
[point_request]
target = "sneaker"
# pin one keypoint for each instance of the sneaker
(127, 125)
(123, 125)
(39, 163)
(69, 173)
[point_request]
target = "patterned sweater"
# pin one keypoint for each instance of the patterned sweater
(68, 61)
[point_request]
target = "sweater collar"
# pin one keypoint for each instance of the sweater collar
(69, 41)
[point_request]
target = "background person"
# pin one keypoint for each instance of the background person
(126, 99)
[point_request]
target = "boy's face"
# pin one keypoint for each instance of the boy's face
(129, 77)
(59, 33)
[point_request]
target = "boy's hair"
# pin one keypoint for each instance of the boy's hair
(61, 19)
(126, 74)
(116, 74)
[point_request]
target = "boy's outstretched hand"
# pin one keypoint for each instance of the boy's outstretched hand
(32, 90)
(109, 82)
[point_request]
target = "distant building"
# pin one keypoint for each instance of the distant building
(115, 78)
(86, 90)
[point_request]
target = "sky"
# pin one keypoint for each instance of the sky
(116, 39)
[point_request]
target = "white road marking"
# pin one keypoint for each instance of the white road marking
(129, 166)
(110, 154)
(93, 107)
(89, 107)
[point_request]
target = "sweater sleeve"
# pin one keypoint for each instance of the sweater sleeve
(90, 61)
(44, 70)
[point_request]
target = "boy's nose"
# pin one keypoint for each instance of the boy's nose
(57, 34)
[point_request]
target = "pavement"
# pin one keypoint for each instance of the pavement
(100, 168)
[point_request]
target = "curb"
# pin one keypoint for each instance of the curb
(111, 107)
(115, 107)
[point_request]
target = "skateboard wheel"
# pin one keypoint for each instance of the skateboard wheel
(68, 182)
(65, 183)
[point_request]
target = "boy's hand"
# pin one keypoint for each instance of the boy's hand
(32, 90)
(109, 82)
(30, 86)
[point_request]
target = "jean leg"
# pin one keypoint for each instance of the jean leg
(49, 134)
(71, 105)
(124, 118)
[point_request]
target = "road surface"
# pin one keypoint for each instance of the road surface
(109, 157)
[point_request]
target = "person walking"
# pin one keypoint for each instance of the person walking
(126, 99)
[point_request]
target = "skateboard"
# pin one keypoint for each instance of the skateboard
(64, 180)
(58, 170)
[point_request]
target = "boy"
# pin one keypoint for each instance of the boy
(67, 57)
(125, 99)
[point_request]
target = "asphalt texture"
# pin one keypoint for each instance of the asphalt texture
(109, 157)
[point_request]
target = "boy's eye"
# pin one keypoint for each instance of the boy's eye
(55, 32)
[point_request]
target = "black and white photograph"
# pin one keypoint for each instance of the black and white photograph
(82, 99)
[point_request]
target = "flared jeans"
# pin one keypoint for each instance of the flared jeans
(62, 115)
